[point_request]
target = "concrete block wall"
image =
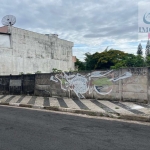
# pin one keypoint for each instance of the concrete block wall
(126, 84)
(27, 84)
(133, 88)
(31, 52)
(115, 86)
(45, 87)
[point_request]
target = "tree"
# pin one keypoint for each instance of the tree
(134, 61)
(79, 64)
(112, 59)
(130, 60)
(139, 49)
(147, 48)
(109, 58)
(91, 60)
(147, 60)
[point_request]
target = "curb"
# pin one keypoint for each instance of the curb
(4, 103)
(135, 118)
(78, 111)
(85, 112)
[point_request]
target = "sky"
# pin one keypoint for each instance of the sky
(92, 25)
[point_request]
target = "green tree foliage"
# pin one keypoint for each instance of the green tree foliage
(91, 60)
(139, 50)
(79, 64)
(147, 60)
(130, 60)
(109, 58)
(112, 59)
(134, 61)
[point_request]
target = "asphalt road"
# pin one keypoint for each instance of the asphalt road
(23, 129)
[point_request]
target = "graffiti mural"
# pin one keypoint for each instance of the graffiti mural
(99, 81)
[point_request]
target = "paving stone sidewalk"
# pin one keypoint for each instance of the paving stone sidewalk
(124, 110)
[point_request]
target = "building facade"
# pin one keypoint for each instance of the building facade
(23, 51)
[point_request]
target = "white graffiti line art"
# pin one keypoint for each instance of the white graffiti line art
(125, 75)
(100, 73)
(68, 77)
(79, 85)
(53, 79)
(96, 81)
(56, 79)
(101, 93)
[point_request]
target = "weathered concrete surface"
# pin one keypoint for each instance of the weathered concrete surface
(133, 88)
(30, 52)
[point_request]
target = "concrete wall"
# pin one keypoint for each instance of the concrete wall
(9, 84)
(132, 84)
(4, 40)
(31, 52)
(135, 87)
(45, 87)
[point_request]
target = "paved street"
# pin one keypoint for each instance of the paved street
(26, 129)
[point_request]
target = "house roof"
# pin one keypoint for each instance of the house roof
(4, 29)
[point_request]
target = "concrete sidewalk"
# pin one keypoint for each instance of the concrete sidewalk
(114, 109)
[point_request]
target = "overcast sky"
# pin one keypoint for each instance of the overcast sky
(91, 25)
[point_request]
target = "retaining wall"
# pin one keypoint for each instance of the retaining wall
(132, 84)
